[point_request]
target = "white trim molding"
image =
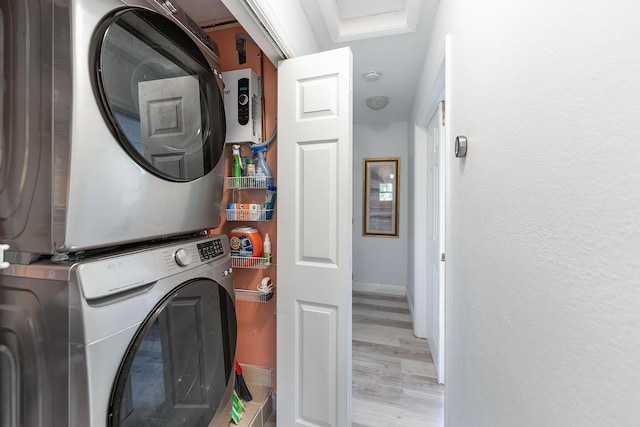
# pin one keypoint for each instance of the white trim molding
(380, 288)
(374, 25)
(280, 28)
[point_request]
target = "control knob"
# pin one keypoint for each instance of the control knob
(182, 257)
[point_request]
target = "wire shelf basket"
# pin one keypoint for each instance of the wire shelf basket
(250, 262)
(252, 214)
(254, 296)
(248, 182)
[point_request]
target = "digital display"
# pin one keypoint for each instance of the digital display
(211, 249)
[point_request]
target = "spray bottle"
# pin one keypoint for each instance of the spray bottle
(237, 166)
(263, 173)
(266, 251)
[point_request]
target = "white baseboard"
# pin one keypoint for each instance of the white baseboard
(380, 288)
(256, 375)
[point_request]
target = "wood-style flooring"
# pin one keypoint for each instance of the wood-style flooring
(394, 379)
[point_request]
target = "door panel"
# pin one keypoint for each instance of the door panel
(316, 206)
(314, 239)
(171, 127)
(317, 374)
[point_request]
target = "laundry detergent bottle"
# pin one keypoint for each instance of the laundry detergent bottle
(263, 173)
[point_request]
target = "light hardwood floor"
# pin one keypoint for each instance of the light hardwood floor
(394, 379)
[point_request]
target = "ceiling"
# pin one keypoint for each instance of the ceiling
(386, 36)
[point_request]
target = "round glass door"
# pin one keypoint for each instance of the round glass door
(177, 368)
(159, 95)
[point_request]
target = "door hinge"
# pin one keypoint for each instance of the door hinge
(443, 113)
(442, 257)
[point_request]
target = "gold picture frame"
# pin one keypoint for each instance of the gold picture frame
(380, 197)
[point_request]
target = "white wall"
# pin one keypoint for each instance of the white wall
(543, 259)
(380, 264)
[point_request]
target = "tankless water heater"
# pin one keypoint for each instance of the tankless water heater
(243, 107)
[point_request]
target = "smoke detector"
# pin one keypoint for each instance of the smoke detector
(371, 76)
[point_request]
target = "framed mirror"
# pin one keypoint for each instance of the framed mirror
(380, 197)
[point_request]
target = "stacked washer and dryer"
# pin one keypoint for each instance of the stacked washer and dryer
(116, 306)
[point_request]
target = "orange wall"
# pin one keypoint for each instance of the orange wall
(256, 321)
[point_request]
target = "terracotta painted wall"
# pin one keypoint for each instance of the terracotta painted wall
(256, 321)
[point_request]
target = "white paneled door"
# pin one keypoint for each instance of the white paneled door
(435, 239)
(314, 239)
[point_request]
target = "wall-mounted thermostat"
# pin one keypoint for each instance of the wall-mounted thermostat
(242, 106)
(460, 146)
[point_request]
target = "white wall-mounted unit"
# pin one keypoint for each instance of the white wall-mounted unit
(243, 106)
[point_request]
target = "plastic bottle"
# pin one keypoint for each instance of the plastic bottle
(263, 173)
(250, 172)
(269, 201)
(237, 166)
(246, 241)
(266, 251)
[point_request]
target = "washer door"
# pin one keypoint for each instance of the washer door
(177, 368)
(160, 95)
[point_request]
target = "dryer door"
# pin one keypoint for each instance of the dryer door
(159, 94)
(178, 369)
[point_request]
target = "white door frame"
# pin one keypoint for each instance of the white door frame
(448, 158)
(418, 304)
(440, 86)
(436, 144)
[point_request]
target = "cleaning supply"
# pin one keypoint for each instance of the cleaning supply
(269, 201)
(265, 285)
(263, 173)
(237, 166)
(249, 172)
(266, 251)
(245, 241)
(265, 289)
(237, 408)
(241, 386)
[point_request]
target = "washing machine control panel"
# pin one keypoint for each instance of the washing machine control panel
(211, 249)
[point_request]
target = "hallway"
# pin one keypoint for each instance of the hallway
(394, 379)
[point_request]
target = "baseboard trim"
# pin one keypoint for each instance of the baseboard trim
(256, 375)
(380, 288)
